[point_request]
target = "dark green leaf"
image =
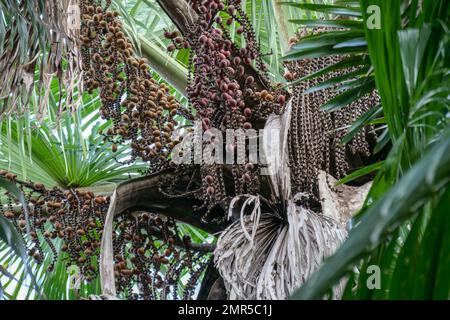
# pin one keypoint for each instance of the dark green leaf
(425, 179)
(361, 173)
(349, 96)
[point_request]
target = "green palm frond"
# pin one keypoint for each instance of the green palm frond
(69, 155)
(383, 218)
(343, 36)
(405, 213)
(13, 251)
(50, 131)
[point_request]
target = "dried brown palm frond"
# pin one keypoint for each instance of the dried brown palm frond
(38, 43)
(267, 257)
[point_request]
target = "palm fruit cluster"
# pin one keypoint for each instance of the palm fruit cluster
(152, 260)
(149, 251)
(142, 111)
(315, 137)
(65, 221)
(228, 86)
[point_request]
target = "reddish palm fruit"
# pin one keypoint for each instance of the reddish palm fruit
(210, 191)
(126, 272)
(170, 35)
(233, 86)
(224, 87)
(232, 102)
(205, 124)
(171, 47)
(11, 177)
(246, 177)
(203, 39)
(241, 71)
(209, 179)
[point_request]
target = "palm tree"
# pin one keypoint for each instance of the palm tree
(382, 94)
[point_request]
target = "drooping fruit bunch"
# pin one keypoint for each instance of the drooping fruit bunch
(149, 251)
(66, 221)
(151, 258)
(141, 109)
(228, 86)
(223, 88)
(315, 138)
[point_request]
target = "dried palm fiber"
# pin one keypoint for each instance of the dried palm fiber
(40, 39)
(277, 258)
(315, 135)
(269, 255)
